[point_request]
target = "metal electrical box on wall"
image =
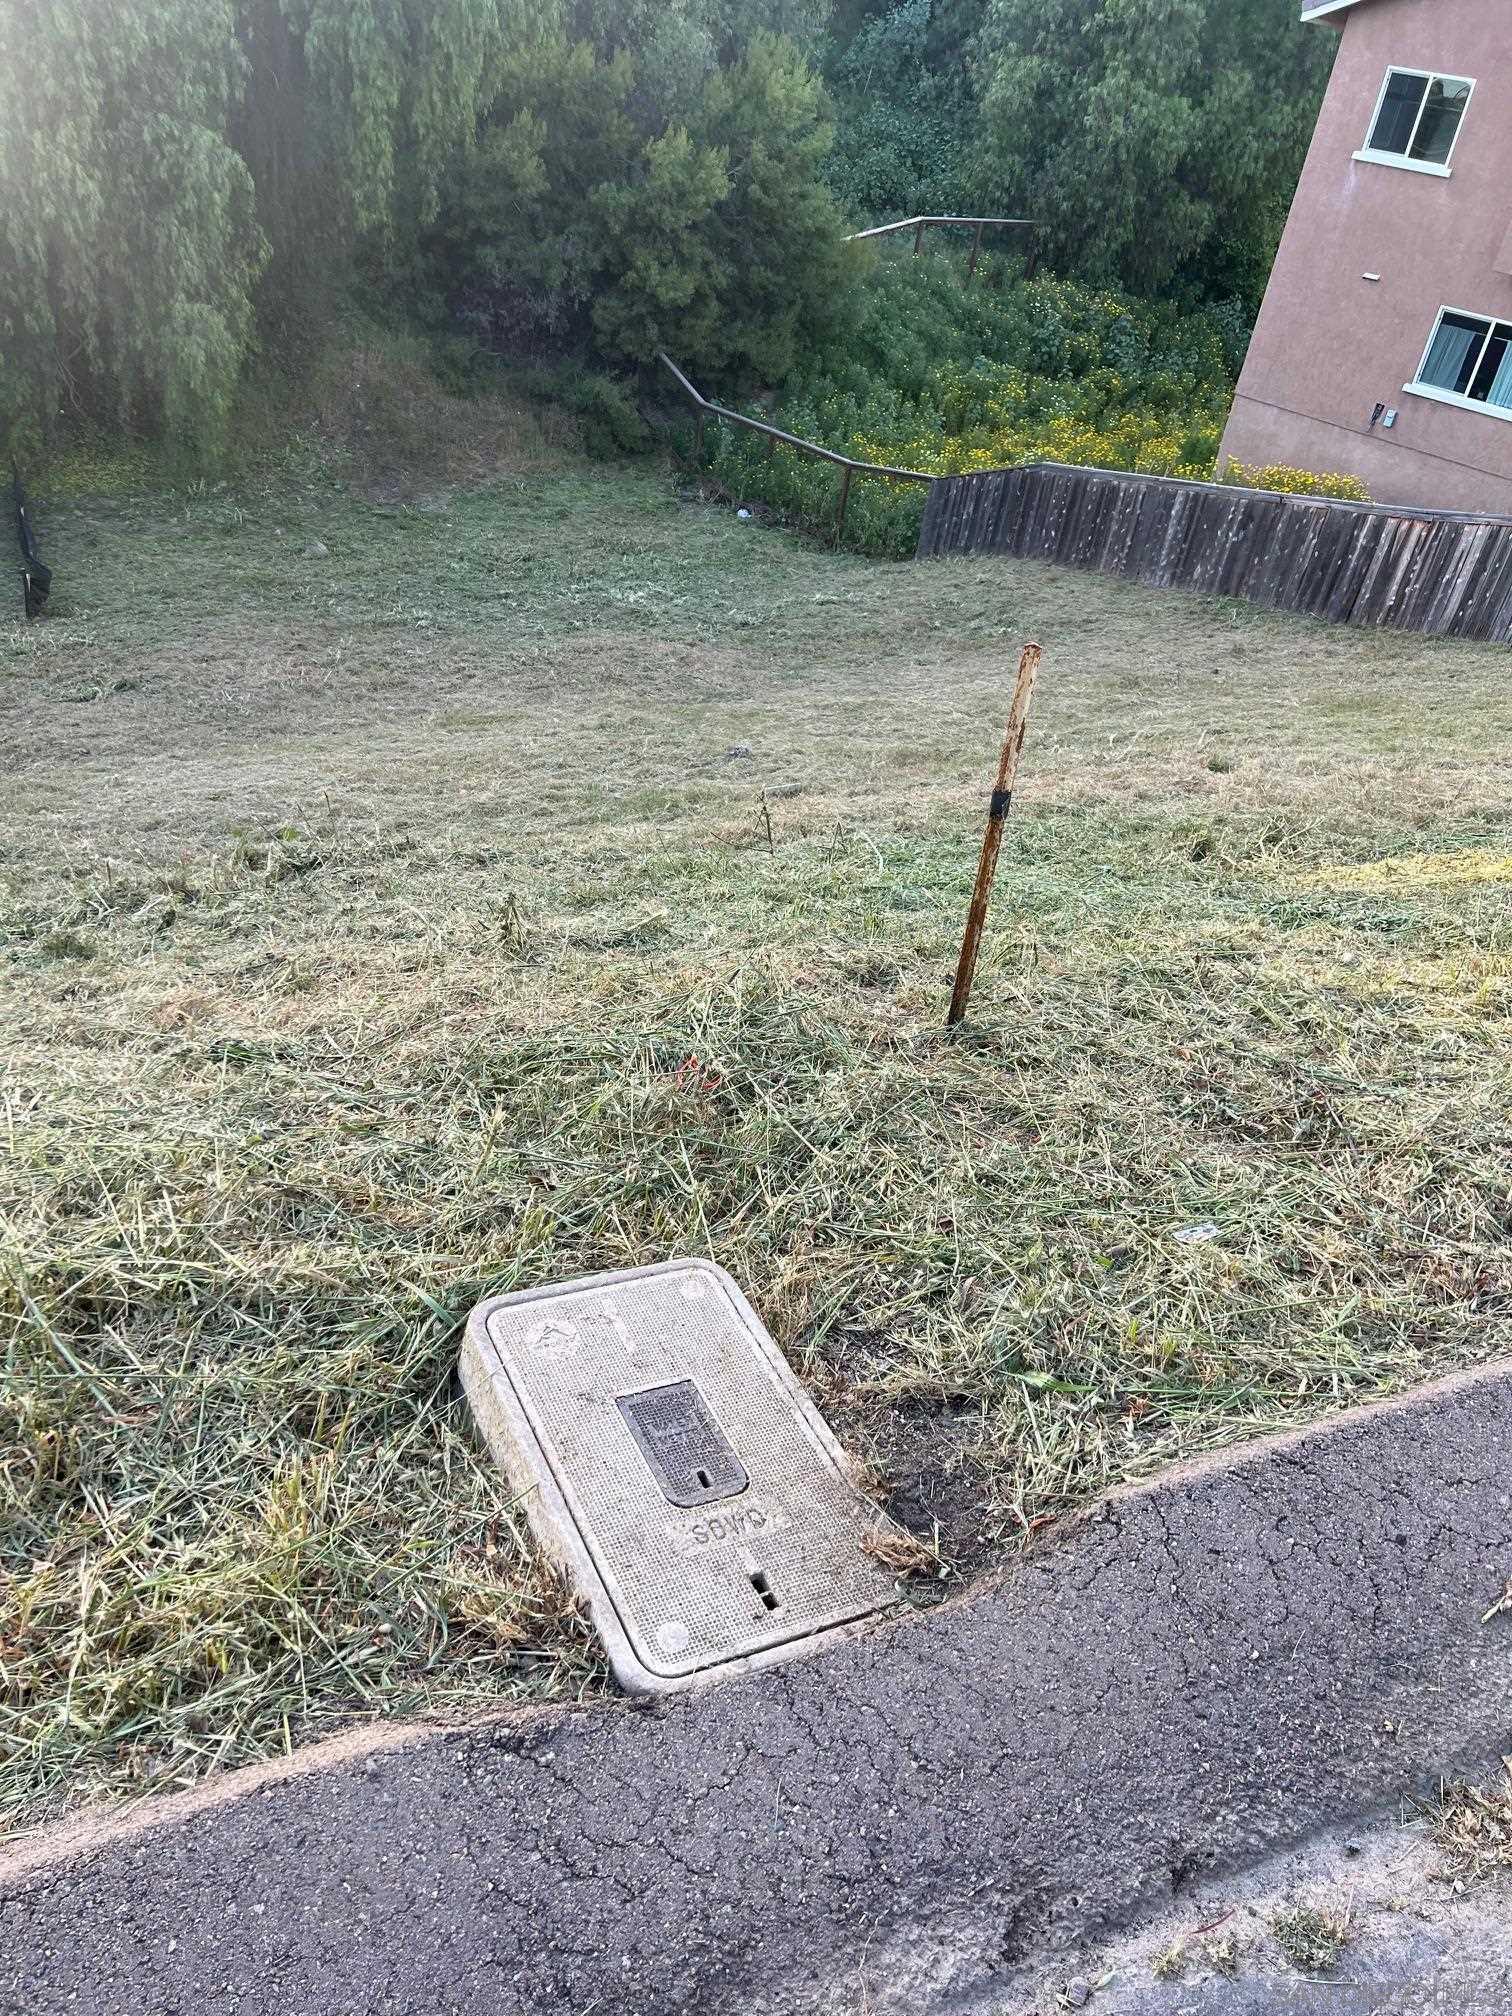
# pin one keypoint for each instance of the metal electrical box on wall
(672, 1464)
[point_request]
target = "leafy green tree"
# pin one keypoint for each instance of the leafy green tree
(355, 113)
(779, 235)
(606, 207)
(185, 179)
(905, 109)
(1155, 141)
(662, 278)
(518, 244)
(128, 238)
(153, 153)
(724, 27)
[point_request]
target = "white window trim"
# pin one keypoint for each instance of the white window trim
(1465, 405)
(1404, 160)
(1401, 161)
(1419, 390)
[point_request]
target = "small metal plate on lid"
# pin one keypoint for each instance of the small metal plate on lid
(679, 1438)
(676, 1469)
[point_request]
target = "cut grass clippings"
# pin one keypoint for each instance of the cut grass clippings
(1472, 1827)
(1312, 1940)
(436, 969)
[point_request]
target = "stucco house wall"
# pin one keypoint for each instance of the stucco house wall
(1371, 254)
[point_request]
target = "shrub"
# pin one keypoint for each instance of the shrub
(611, 208)
(904, 117)
(1296, 482)
(604, 408)
(950, 380)
(881, 517)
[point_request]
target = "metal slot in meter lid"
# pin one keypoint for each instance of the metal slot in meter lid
(670, 1460)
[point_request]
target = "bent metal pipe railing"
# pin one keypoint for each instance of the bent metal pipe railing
(919, 225)
(777, 436)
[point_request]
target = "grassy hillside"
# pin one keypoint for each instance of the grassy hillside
(418, 890)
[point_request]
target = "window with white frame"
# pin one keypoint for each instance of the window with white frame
(1469, 360)
(1417, 119)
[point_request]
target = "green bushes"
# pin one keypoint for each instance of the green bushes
(1157, 142)
(905, 114)
(174, 173)
(610, 211)
(128, 240)
(187, 184)
(949, 379)
(608, 419)
(881, 517)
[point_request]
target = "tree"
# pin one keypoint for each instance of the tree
(127, 231)
(516, 245)
(154, 152)
(906, 111)
(1156, 142)
(778, 237)
(661, 277)
(181, 180)
(610, 205)
(355, 113)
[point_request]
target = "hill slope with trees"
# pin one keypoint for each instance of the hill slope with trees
(190, 186)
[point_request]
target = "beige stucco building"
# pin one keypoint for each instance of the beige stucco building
(1384, 348)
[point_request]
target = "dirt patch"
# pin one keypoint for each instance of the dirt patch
(1378, 1916)
(925, 1458)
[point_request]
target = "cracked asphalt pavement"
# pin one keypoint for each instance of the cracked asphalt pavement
(1192, 1677)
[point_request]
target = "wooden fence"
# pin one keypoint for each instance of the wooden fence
(1379, 566)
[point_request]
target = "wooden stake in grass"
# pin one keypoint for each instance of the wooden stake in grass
(992, 839)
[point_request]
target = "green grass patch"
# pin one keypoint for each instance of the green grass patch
(361, 926)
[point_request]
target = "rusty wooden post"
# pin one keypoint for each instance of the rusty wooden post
(976, 248)
(919, 239)
(771, 447)
(845, 476)
(698, 440)
(992, 840)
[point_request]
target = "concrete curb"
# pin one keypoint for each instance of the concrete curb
(1199, 1672)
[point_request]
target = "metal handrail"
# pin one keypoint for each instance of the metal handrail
(919, 225)
(706, 406)
(846, 464)
(913, 224)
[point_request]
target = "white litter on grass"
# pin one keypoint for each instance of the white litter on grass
(742, 514)
(1198, 1235)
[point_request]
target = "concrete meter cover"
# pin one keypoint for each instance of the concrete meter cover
(672, 1464)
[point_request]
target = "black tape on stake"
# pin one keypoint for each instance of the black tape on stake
(998, 804)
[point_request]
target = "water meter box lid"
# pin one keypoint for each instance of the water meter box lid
(670, 1461)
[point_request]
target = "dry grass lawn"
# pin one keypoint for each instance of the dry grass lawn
(388, 926)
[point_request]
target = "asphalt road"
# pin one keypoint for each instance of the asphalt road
(1416, 1938)
(1193, 1677)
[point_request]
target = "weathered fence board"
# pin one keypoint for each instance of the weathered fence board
(1444, 573)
